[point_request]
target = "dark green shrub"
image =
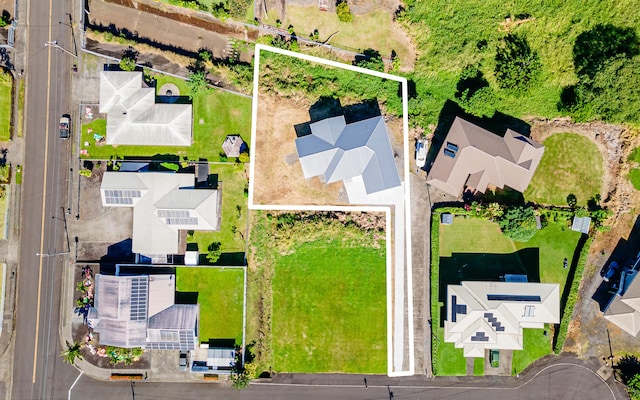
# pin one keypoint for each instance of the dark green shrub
(519, 223)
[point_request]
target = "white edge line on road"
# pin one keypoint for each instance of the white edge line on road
(74, 384)
(450, 387)
(385, 209)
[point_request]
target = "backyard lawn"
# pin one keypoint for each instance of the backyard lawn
(6, 85)
(215, 115)
(233, 224)
(220, 295)
(329, 307)
(491, 255)
(571, 164)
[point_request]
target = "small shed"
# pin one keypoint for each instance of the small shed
(581, 224)
(446, 219)
(191, 257)
(233, 146)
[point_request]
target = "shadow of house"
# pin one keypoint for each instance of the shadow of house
(485, 267)
(329, 107)
(625, 254)
(117, 253)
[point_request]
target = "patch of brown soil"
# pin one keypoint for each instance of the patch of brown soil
(278, 176)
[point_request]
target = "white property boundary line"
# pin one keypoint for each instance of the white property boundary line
(386, 209)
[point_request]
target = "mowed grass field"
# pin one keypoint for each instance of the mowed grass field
(571, 164)
(488, 255)
(220, 295)
(216, 114)
(329, 306)
(6, 86)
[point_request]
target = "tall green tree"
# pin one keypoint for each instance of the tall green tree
(517, 66)
(519, 223)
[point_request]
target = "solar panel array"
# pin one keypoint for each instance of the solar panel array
(186, 341)
(139, 298)
(173, 214)
(182, 221)
(480, 337)
(121, 196)
(513, 297)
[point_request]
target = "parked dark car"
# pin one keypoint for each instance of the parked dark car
(611, 271)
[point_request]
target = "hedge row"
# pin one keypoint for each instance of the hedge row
(435, 281)
(572, 297)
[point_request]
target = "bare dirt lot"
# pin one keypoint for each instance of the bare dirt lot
(278, 175)
(589, 332)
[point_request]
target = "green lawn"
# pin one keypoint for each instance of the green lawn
(329, 307)
(489, 255)
(450, 361)
(220, 295)
(478, 366)
(6, 85)
(233, 225)
(215, 115)
(535, 345)
(571, 164)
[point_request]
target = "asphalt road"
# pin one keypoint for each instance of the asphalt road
(556, 382)
(37, 367)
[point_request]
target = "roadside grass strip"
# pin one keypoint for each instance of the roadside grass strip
(6, 105)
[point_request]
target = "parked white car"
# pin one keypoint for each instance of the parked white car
(421, 152)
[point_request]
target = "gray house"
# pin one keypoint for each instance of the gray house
(140, 311)
(337, 151)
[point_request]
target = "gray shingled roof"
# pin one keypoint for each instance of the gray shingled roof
(336, 151)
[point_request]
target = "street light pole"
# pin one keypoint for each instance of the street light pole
(57, 46)
(66, 231)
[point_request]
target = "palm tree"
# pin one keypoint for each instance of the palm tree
(72, 352)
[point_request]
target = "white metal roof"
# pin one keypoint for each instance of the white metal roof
(134, 118)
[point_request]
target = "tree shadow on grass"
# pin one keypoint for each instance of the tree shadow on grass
(601, 43)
